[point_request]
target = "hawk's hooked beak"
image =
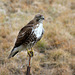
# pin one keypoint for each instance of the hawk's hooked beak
(42, 18)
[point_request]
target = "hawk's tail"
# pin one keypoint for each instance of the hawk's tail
(13, 53)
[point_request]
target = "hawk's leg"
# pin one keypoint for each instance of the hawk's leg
(30, 52)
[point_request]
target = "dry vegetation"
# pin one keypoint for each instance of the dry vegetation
(55, 53)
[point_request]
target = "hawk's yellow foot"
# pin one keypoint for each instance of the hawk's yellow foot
(30, 53)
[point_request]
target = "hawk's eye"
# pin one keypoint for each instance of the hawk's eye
(40, 16)
(37, 20)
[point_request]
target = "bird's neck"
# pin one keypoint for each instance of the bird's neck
(35, 24)
(38, 25)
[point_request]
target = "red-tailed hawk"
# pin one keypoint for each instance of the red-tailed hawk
(29, 35)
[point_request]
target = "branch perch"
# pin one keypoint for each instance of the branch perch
(29, 63)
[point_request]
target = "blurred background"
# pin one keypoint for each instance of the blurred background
(55, 52)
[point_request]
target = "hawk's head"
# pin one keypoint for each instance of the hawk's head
(39, 18)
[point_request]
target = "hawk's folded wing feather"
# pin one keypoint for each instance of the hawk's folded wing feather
(23, 35)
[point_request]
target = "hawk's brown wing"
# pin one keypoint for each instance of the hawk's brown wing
(24, 33)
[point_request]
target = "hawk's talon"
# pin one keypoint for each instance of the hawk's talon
(30, 53)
